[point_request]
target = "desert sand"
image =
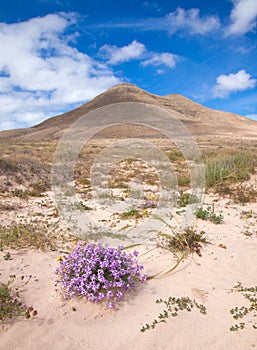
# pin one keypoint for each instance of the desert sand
(231, 257)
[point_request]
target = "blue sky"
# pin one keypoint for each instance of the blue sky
(58, 54)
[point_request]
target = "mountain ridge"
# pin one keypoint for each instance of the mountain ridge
(199, 119)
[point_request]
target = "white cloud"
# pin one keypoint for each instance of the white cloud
(42, 74)
(164, 58)
(226, 84)
(136, 50)
(191, 21)
(116, 55)
(243, 16)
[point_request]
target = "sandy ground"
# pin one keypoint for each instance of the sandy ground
(207, 279)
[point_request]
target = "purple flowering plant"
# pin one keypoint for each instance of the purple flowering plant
(148, 204)
(97, 272)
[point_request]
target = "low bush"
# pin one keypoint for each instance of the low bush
(208, 214)
(10, 305)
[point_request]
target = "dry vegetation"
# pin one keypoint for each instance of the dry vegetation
(25, 168)
(25, 175)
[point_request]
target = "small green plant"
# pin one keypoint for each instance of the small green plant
(38, 188)
(7, 256)
(80, 206)
(209, 214)
(237, 327)
(247, 214)
(243, 193)
(175, 155)
(10, 305)
(132, 213)
(84, 181)
(183, 180)
(186, 198)
(249, 293)
(173, 307)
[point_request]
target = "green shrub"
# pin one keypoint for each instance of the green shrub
(186, 198)
(208, 214)
(10, 305)
(228, 168)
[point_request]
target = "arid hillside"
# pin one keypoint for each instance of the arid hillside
(201, 121)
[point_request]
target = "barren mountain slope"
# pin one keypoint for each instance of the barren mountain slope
(200, 120)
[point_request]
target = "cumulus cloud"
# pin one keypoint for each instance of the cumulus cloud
(226, 84)
(164, 58)
(242, 17)
(191, 21)
(136, 50)
(41, 73)
(116, 55)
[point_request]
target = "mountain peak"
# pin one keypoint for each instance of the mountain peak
(200, 120)
(125, 87)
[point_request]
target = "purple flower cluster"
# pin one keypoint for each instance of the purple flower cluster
(99, 272)
(148, 204)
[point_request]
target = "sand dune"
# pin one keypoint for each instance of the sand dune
(208, 279)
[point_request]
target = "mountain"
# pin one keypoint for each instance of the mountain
(200, 120)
